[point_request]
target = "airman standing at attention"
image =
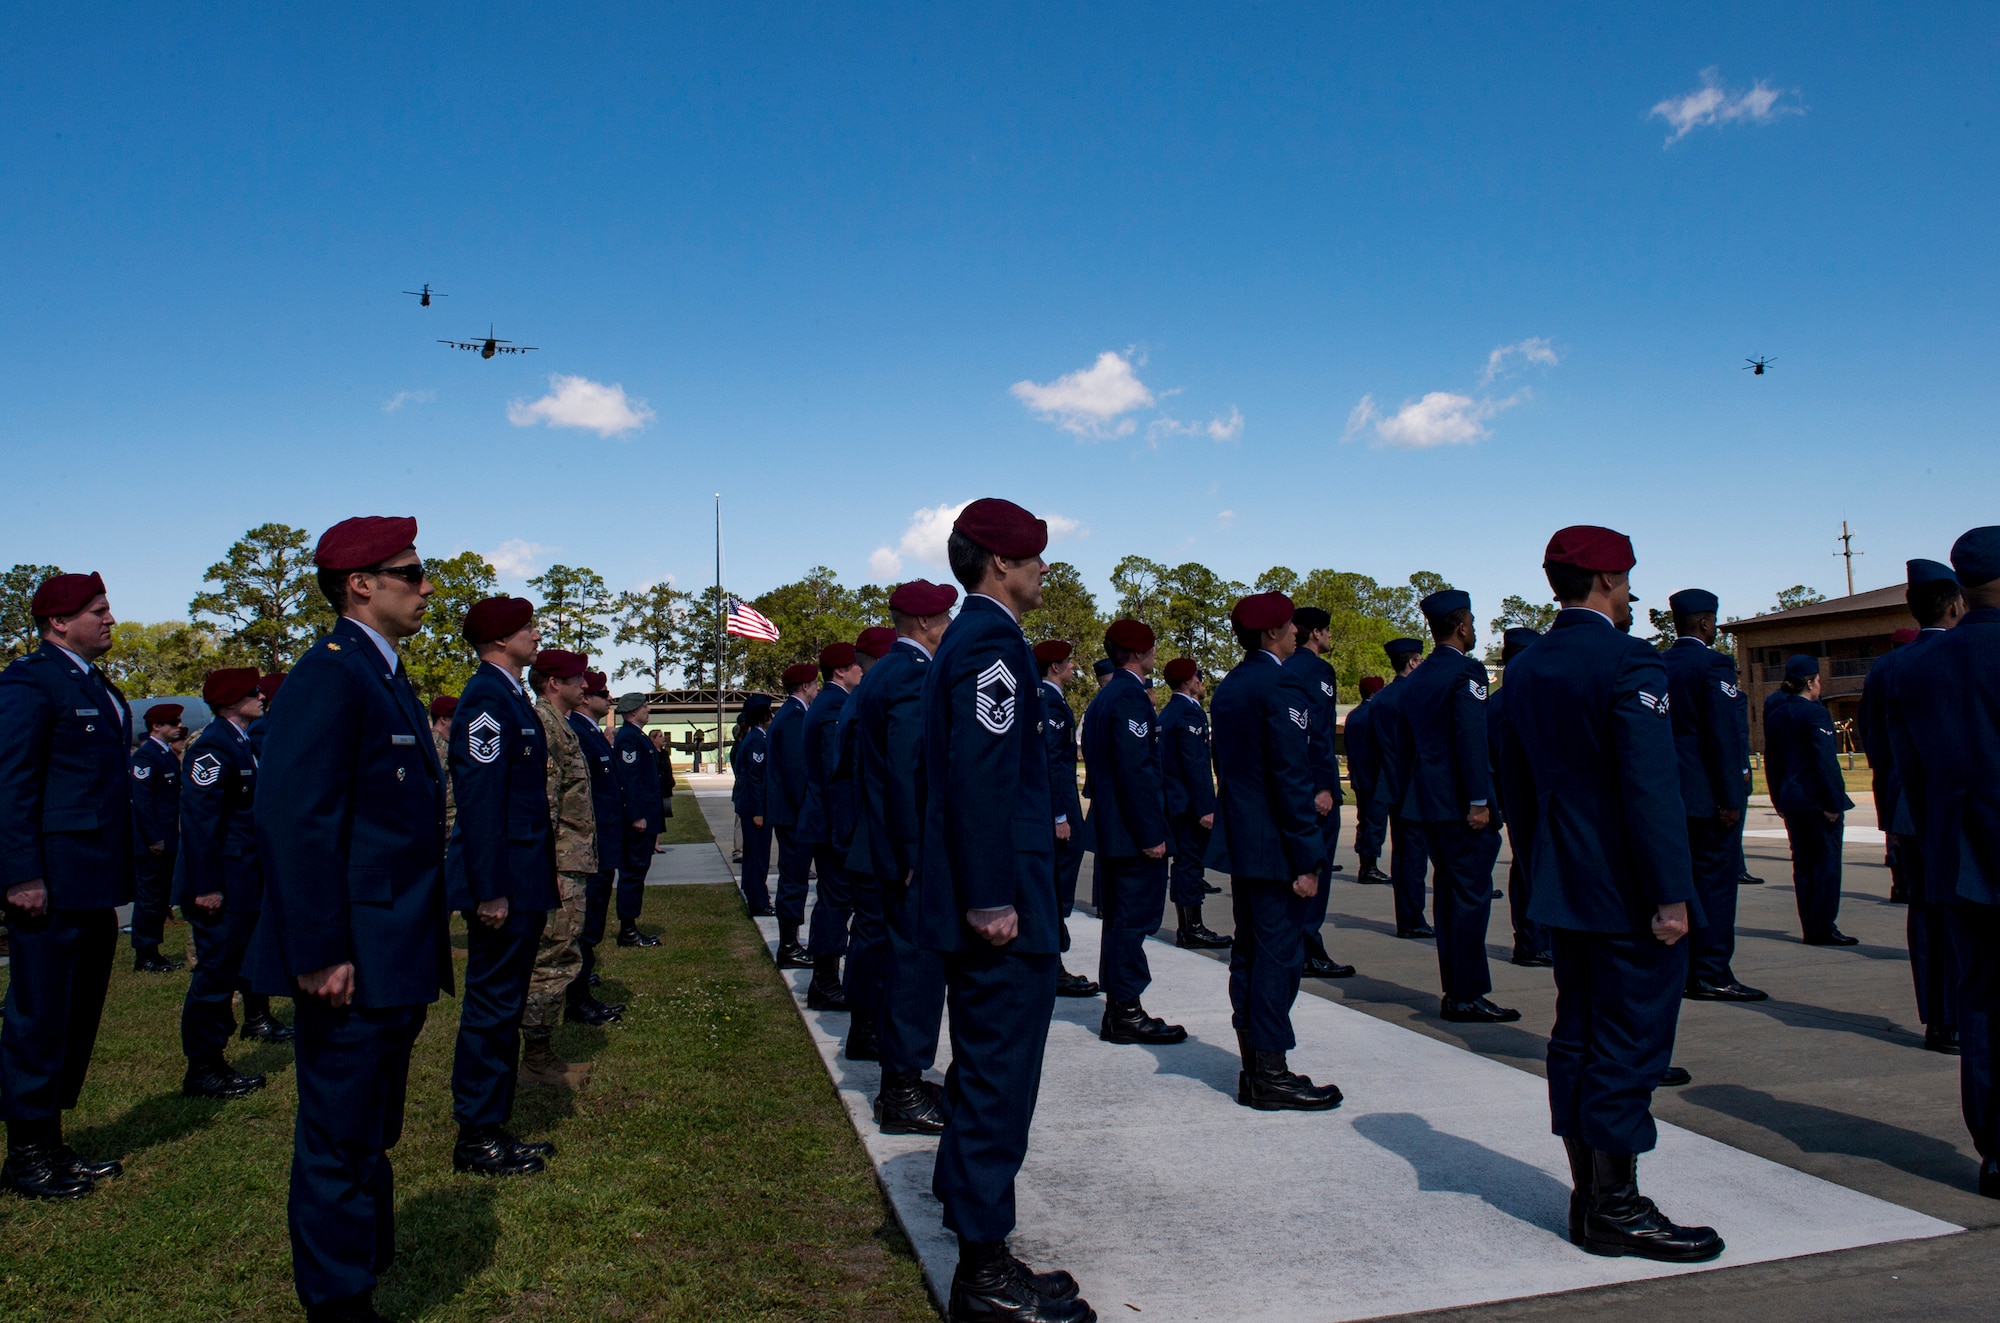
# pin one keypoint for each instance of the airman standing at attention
(607, 807)
(785, 798)
(638, 768)
(156, 814)
(65, 866)
(267, 686)
(1371, 817)
(750, 757)
(1593, 784)
(1055, 660)
(1308, 662)
(1802, 762)
(825, 818)
(1409, 859)
(1531, 939)
(1189, 784)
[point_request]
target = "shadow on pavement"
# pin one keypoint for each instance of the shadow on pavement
(1446, 1162)
(1823, 1130)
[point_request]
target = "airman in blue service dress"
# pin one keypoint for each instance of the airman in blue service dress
(985, 898)
(219, 879)
(749, 759)
(638, 766)
(350, 830)
(607, 805)
(785, 797)
(65, 865)
(1371, 817)
(500, 869)
(1054, 658)
(827, 816)
(1944, 725)
(889, 971)
(1593, 787)
(1448, 796)
(1322, 686)
(1802, 762)
(1714, 789)
(1937, 601)
(1409, 861)
(1121, 749)
(1188, 782)
(156, 812)
(865, 972)
(1271, 839)
(1531, 940)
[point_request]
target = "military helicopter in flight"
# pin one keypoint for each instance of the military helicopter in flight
(1757, 365)
(490, 345)
(424, 296)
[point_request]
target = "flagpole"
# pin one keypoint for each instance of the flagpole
(721, 614)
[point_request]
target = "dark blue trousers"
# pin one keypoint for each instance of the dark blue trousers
(1264, 960)
(1131, 896)
(912, 988)
(1462, 899)
(353, 1071)
(1528, 934)
(1712, 945)
(208, 1015)
(833, 906)
(756, 864)
(1313, 917)
(1618, 1003)
(1975, 935)
(1000, 1007)
(868, 947)
(59, 968)
(152, 895)
(632, 866)
(1410, 861)
(794, 865)
(1933, 955)
(1816, 870)
(596, 904)
(498, 963)
(1069, 863)
(1371, 826)
(1187, 879)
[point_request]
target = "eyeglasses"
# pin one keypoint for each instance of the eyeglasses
(410, 574)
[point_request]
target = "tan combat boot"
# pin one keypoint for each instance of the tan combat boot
(541, 1065)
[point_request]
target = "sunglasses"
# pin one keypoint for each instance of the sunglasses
(410, 574)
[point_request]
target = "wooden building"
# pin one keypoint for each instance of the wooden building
(1847, 634)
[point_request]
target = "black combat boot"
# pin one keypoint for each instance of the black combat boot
(629, 935)
(909, 1104)
(1372, 876)
(1127, 1022)
(824, 993)
(991, 1285)
(1318, 964)
(259, 1025)
(218, 1079)
(36, 1167)
(1476, 1011)
(1621, 1221)
(148, 960)
(864, 1037)
(1580, 1182)
(1194, 935)
(1528, 957)
(1273, 1088)
(790, 954)
(1074, 985)
(491, 1151)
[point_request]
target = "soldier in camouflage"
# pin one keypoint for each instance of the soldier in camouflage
(440, 713)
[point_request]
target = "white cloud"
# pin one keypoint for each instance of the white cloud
(1712, 104)
(1225, 519)
(1534, 349)
(1217, 428)
(403, 397)
(1062, 527)
(929, 532)
(1090, 402)
(518, 558)
(581, 402)
(1440, 418)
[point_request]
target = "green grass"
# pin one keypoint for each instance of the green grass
(687, 826)
(707, 1171)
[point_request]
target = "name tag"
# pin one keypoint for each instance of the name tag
(402, 739)
(527, 730)
(86, 711)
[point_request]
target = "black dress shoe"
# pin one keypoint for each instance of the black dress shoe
(1127, 1022)
(492, 1153)
(909, 1104)
(991, 1285)
(1477, 1011)
(1421, 930)
(1675, 1076)
(1622, 1221)
(150, 961)
(824, 994)
(590, 1011)
(1266, 1085)
(1318, 964)
(1209, 888)
(1941, 1040)
(541, 1148)
(864, 1040)
(33, 1172)
(1700, 991)
(1373, 877)
(1075, 985)
(766, 913)
(218, 1079)
(594, 978)
(1528, 959)
(1336, 868)
(1989, 1178)
(794, 956)
(1748, 880)
(630, 935)
(1898, 895)
(88, 1169)
(1833, 937)
(1498, 894)
(267, 1029)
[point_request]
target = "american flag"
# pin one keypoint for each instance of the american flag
(747, 623)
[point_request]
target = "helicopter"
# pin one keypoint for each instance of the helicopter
(489, 346)
(1757, 365)
(424, 296)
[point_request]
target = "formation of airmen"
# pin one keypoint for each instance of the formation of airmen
(924, 777)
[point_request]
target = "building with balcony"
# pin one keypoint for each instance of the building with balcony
(1847, 634)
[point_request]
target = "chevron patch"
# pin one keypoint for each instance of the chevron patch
(993, 698)
(482, 738)
(1654, 702)
(1299, 718)
(1138, 728)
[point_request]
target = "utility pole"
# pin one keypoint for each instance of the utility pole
(1849, 553)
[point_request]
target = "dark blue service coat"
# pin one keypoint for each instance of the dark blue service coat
(1891, 810)
(827, 815)
(1121, 749)
(1059, 732)
(1802, 757)
(638, 767)
(785, 786)
(607, 804)
(65, 791)
(887, 730)
(1322, 686)
(1705, 702)
(750, 759)
(219, 822)
(156, 795)
(1265, 823)
(1943, 712)
(1442, 746)
(501, 846)
(1185, 777)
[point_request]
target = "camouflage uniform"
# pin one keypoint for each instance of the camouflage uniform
(558, 960)
(444, 760)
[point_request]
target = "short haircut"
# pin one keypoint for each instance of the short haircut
(1929, 601)
(968, 561)
(1120, 657)
(1442, 627)
(1251, 639)
(826, 669)
(794, 688)
(1043, 668)
(1685, 622)
(333, 587)
(539, 679)
(1570, 583)
(42, 625)
(1308, 619)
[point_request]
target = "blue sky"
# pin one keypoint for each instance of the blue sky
(848, 264)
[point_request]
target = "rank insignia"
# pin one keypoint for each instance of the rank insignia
(993, 698)
(141, 772)
(205, 770)
(1299, 718)
(482, 738)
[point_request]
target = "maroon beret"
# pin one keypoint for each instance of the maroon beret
(1589, 547)
(231, 684)
(65, 594)
(837, 656)
(799, 673)
(1180, 670)
(921, 597)
(1903, 636)
(1131, 635)
(1050, 651)
(269, 685)
(1371, 685)
(561, 664)
(1003, 528)
(1261, 611)
(164, 714)
(875, 641)
(355, 544)
(596, 682)
(494, 618)
(443, 706)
